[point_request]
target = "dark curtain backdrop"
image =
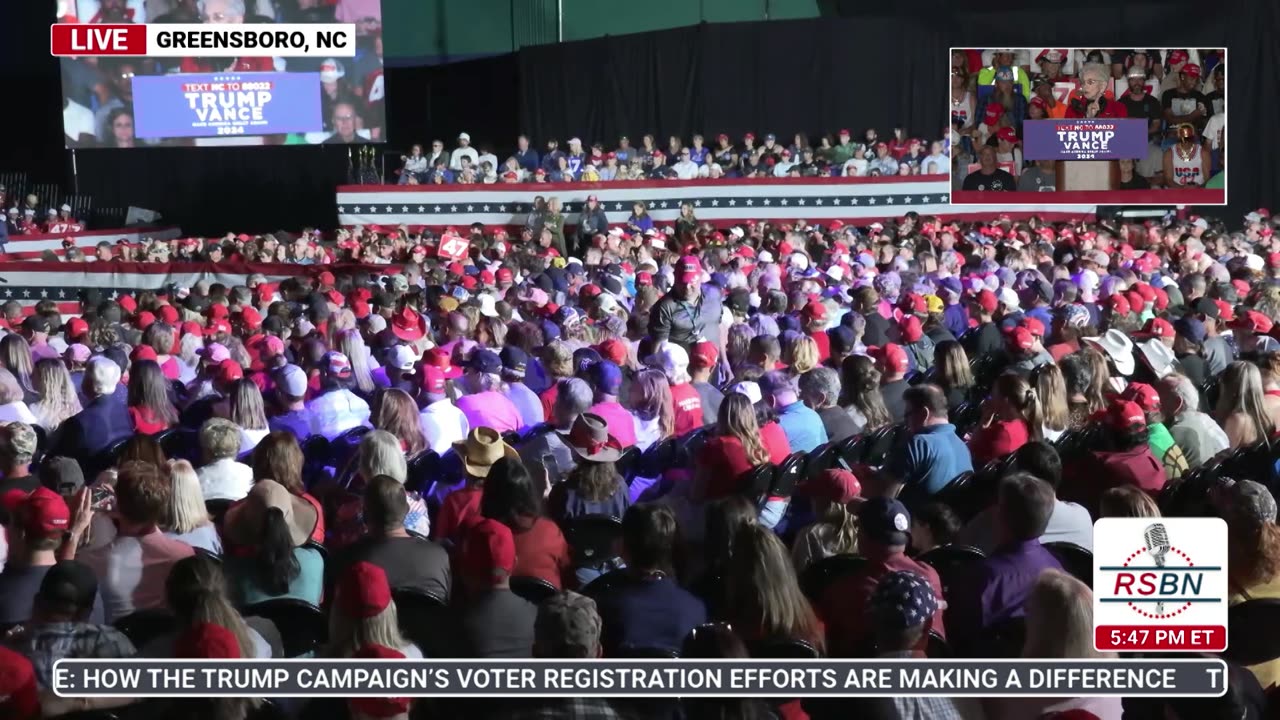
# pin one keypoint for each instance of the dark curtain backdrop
(865, 64)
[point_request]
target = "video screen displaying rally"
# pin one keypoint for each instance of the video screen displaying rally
(1051, 120)
(127, 102)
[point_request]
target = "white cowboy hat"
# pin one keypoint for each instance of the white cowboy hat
(1118, 347)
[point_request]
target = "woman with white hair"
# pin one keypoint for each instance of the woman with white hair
(188, 360)
(12, 406)
(187, 519)
(104, 419)
(245, 409)
(351, 344)
(380, 453)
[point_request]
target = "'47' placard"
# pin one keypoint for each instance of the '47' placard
(454, 247)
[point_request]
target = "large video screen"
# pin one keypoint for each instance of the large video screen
(125, 102)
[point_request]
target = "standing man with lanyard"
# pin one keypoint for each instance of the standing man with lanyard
(678, 315)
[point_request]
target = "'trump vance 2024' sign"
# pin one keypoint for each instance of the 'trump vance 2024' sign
(1085, 139)
(1160, 584)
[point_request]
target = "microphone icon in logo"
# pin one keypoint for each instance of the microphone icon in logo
(1157, 539)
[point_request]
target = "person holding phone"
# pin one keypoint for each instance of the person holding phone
(415, 166)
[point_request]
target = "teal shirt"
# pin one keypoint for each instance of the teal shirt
(308, 585)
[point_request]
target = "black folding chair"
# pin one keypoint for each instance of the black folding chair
(107, 457)
(217, 509)
(179, 443)
(533, 589)
(787, 476)
(952, 562)
(42, 443)
(660, 456)
(850, 451)
(594, 539)
(820, 460)
(1253, 632)
(143, 626)
(303, 627)
(758, 480)
(688, 445)
(604, 583)
(816, 578)
(792, 649)
(425, 618)
(1076, 560)
(626, 465)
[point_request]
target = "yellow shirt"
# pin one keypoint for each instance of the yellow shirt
(1268, 673)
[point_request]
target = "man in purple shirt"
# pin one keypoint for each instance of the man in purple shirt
(486, 406)
(514, 363)
(995, 591)
(605, 378)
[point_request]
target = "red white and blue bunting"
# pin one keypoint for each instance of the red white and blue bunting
(722, 202)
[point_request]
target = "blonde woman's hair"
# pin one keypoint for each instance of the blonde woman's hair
(844, 524)
(196, 593)
(246, 406)
(737, 419)
(380, 454)
(1051, 388)
(1127, 501)
(58, 399)
(651, 398)
(1059, 618)
(352, 345)
(235, 347)
(1240, 391)
(347, 635)
(1024, 400)
(398, 415)
(802, 355)
(219, 438)
(953, 366)
(764, 594)
(1099, 378)
(186, 500)
(10, 391)
(558, 359)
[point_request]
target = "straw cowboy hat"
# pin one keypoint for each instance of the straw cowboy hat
(590, 440)
(244, 521)
(482, 448)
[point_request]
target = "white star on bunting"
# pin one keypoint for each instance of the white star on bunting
(453, 208)
(800, 201)
(357, 208)
(715, 203)
(404, 208)
(421, 209)
(732, 203)
(388, 208)
(470, 208)
(486, 208)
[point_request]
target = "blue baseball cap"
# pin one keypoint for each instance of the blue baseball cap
(605, 377)
(885, 520)
(584, 358)
(903, 600)
(485, 361)
(550, 331)
(514, 360)
(1190, 328)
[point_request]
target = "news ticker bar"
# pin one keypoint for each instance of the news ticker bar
(323, 40)
(633, 678)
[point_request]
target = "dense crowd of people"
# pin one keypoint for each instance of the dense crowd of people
(452, 428)
(1180, 93)
(837, 154)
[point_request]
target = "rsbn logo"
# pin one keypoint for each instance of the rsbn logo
(1160, 585)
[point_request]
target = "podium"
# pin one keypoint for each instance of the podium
(1086, 174)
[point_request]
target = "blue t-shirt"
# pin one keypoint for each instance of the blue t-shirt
(930, 460)
(308, 585)
(648, 613)
(526, 402)
(803, 427)
(298, 422)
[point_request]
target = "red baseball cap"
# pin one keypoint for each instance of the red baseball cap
(1020, 338)
(992, 114)
(814, 310)
(1033, 326)
(1191, 69)
(505, 275)
(218, 311)
(217, 326)
(690, 270)
(911, 329)
(1252, 321)
(1226, 313)
(704, 355)
(1142, 395)
(644, 279)
(1125, 415)
(1117, 303)
(1157, 327)
(363, 591)
(613, 350)
(987, 301)
(76, 327)
(892, 358)
(127, 303)
(45, 513)
(1007, 134)
(143, 352)
(19, 695)
(168, 314)
(914, 303)
(144, 320)
(230, 371)
(488, 551)
(326, 278)
(251, 318)
(191, 327)
(838, 486)
(433, 380)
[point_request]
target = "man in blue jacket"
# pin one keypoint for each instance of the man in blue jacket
(105, 418)
(526, 156)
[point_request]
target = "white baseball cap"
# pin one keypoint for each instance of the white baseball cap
(402, 358)
(750, 389)
(464, 136)
(292, 380)
(488, 306)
